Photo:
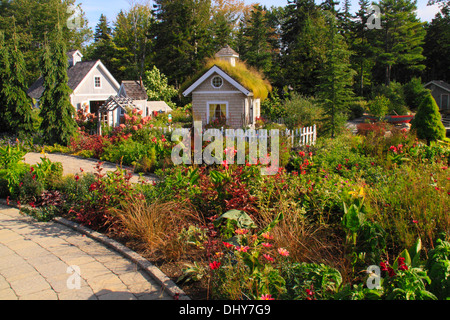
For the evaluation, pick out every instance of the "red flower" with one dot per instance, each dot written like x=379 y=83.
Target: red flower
x=77 y=178
x=266 y=297
x=92 y=187
x=228 y=245
x=214 y=265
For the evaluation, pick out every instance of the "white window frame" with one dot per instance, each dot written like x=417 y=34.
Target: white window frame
x=95 y=82
x=212 y=81
x=209 y=103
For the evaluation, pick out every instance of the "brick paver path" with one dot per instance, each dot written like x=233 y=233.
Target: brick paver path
x=72 y=164
x=37 y=259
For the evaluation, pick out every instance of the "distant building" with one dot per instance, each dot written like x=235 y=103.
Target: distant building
x=218 y=95
x=440 y=91
x=91 y=82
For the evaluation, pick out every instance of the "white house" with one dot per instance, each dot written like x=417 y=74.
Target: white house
x=91 y=82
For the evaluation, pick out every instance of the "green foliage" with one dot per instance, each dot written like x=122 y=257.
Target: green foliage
x=157 y=86
x=379 y=107
x=58 y=124
x=438 y=267
x=313 y=281
x=427 y=121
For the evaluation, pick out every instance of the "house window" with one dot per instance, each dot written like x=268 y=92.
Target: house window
x=97 y=82
x=217 y=82
x=217 y=112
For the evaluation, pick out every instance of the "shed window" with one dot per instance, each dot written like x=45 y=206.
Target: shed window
x=217 y=82
x=97 y=82
x=217 y=112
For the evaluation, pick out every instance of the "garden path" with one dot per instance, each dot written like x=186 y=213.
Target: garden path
x=42 y=260
x=72 y=164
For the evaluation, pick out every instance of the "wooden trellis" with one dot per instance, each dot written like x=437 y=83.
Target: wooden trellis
x=110 y=106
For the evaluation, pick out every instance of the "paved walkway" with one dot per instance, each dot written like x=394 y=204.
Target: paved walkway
x=41 y=260
x=72 y=164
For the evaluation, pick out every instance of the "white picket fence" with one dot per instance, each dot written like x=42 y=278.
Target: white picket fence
x=299 y=137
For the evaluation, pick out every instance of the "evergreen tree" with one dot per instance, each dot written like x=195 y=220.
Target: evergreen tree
x=437 y=46
x=256 y=40
x=336 y=78
x=182 y=38
x=303 y=31
x=133 y=41
x=4 y=78
x=361 y=43
x=17 y=103
x=427 y=122
x=102 y=30
x=401 y=40
x=58 y=124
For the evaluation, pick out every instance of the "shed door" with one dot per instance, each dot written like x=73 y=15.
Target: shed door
x=444 y=101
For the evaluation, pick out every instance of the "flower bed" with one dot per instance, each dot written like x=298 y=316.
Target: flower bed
x=308 y=232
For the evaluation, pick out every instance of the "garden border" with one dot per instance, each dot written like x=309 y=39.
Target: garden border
x=167 y=284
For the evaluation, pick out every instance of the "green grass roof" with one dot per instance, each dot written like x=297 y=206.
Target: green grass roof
x=248 y=77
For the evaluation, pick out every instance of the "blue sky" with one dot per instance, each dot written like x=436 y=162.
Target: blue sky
x=110 y=8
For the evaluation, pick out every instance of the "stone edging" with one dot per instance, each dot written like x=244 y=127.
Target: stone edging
x=168 y=285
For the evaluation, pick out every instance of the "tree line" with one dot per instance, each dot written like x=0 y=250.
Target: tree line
x=321 y=50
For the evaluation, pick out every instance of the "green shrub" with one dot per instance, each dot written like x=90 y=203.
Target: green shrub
x=427 y=121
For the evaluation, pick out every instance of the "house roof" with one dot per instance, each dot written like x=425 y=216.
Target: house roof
x=223 y=74
x=442 y=84
x=75 y=73
x=134 y=90
x=158 y=105
x=226 y=52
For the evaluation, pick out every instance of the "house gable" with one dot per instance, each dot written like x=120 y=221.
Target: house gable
x=108 y=85
x=203 y=84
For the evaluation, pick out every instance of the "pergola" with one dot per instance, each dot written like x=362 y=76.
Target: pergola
x=109 y=107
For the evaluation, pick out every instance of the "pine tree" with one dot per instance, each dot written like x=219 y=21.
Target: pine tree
x=336 y=79
x=437 y=46
x=102 y=30
x=256 y=38
x=401 y=40
x=303 y=31
x=58 y=124
x=182 y=38
x=18 y=104
x=4 y=78
x=427 y=121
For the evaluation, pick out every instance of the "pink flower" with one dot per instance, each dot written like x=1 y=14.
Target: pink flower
x=266 y=297
x=134 y=111
x=267 y=236
x=140 y=112
x=242 y=248
x=135 y=128
x=139 y=126
x=266 y=244
x=122 y=126
x=225 y=164
x=283 y=252
x=268 y=257
x=241 y=231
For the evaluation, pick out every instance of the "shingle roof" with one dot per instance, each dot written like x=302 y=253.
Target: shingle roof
x=76 y=74
x=440 y=83
x=134 y=90
x=227 y=51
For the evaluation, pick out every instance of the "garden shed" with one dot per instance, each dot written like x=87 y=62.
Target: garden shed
x=227 y=92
